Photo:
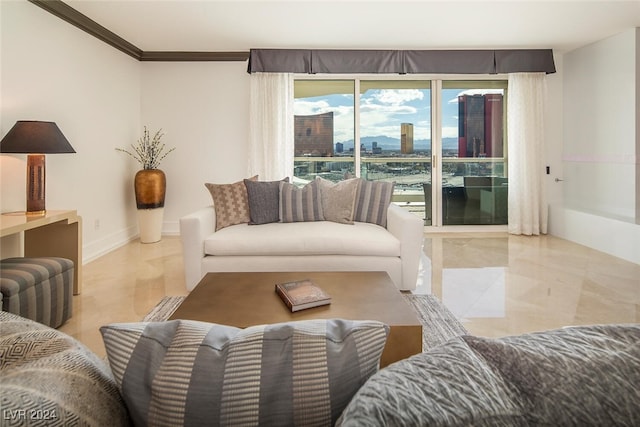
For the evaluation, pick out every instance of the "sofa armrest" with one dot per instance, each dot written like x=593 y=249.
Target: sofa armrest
x=194 y=228
x=409 y=229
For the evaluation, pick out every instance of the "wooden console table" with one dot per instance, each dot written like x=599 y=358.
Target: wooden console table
x=56 y=233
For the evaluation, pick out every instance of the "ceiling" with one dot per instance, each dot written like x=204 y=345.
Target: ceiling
x=216 y=25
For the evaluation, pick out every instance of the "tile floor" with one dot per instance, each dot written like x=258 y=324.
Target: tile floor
x=497 y=284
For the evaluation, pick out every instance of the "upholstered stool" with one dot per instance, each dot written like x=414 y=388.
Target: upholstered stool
x=39 y=289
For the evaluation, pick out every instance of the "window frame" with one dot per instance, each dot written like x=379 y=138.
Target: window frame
x=436 y=88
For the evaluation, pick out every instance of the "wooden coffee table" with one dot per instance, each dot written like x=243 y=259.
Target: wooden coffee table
x=247 y=299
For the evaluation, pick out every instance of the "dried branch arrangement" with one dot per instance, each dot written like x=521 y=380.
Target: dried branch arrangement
x=149 y=152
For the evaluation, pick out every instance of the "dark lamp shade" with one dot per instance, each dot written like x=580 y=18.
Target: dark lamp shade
x=35 y=137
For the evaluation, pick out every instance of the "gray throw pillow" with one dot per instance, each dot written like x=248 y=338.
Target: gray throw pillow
x=264 y=201
x=372 y=201
x=338 y=199
x=186 y=372
x=300 y=204
x=579 y=375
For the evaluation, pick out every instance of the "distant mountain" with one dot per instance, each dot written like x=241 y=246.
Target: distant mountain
x=387 y=143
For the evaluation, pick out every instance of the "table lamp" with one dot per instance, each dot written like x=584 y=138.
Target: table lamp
x=36 y=139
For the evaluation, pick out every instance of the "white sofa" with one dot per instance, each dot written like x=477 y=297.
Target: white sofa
x=303 y=246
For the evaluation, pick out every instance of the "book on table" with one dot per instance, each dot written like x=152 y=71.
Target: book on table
x=302 y=294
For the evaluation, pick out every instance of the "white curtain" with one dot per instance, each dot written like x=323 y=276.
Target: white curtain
x=525 y=130
x=271 y=126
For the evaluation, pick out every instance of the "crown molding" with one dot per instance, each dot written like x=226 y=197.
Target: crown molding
x=86 y=24
x=67 y=13
x=193 y=56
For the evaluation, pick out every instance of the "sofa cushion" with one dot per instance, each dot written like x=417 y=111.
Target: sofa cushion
x=185 y=372
x=303 y=238
x=49 y=378
x=264 y=201
x=582 y=376
x=300 y=204
x=230 y=202
x=372 y=201
x=338 y=199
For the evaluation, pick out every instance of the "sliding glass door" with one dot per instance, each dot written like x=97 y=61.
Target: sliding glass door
x=395 y=137
x=451 y=173
x=473 y=179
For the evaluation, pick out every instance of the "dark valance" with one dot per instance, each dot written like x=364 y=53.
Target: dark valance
x=328 y=61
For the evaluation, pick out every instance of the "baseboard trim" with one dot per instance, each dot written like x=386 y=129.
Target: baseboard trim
x=608 y=235
x=103 y=246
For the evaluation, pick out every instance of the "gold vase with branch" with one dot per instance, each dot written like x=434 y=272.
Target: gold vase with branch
x=150 y=183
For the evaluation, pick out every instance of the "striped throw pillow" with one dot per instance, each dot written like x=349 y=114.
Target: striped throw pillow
x=372 y=201
x=186 y=372
x=300 y=204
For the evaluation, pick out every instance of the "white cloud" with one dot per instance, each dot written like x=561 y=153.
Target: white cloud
x=397 y=97
x=449 y=131
x=380 y=114
x=476 y=92
x=388 y=110
x=308 y=108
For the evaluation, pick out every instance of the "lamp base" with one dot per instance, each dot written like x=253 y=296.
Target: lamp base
x=35 y=184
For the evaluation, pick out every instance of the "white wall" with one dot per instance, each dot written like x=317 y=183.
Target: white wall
x=53 y=71
x=203 y=108
x=600 y=147
x=553 y=133
x=101 y=98
x=637 y=126
x=600 y=127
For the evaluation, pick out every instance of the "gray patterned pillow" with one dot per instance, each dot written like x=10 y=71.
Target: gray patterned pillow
x=49 y=378
x=580 y=375
x=338 y=199
x=300 y=204
x=185 y=372
x=372 y=201
x=574 y=376
x=264 y=199
x=230 y=202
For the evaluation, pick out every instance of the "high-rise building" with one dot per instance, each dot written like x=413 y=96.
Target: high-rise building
x=375 y=149
x=480 y=125
x=339 y=147
x=406 y=138
x=313 y=135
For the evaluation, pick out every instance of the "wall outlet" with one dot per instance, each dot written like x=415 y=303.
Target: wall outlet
x=96 y=224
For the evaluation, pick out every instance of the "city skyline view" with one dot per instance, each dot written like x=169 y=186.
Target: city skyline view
x=383 y=110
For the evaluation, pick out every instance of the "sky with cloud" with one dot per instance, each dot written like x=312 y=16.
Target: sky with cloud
x=383 y=110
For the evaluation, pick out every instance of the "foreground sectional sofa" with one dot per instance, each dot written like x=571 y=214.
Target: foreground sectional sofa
x=274 y=226
x=161 y=373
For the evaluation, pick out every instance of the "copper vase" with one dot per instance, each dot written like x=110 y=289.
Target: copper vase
x=150 y=186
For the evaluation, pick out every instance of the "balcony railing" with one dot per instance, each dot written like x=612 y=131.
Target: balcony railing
x=473 y=190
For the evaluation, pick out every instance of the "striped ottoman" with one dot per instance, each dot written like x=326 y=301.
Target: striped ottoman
x=39 y=289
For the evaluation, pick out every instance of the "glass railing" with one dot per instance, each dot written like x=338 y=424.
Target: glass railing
x=474 y=192
x=306 y=169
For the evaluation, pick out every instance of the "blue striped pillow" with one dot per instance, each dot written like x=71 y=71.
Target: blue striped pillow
x=186 y=372
x=300 y=204
x=372 y=201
